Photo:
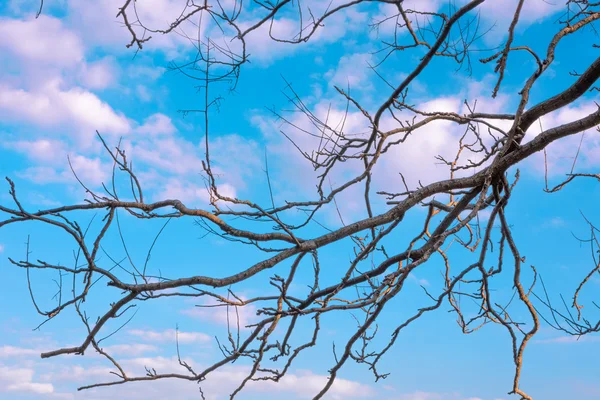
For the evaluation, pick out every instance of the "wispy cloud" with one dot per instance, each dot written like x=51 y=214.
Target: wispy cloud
x=570 y=339
x=224 y=315
x=12 y=351
x=134 y=349
x=170 y=335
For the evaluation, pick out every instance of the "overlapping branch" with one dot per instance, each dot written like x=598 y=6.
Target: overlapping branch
x=481 y=176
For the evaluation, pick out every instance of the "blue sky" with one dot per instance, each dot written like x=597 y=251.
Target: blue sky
x=67 y=74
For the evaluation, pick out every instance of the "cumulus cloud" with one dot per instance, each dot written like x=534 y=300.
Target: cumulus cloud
x=263 y=50
x=387 y=26
x=260 y=45
x=170 y=154
x=61 y=101
x=189 y=193
x=12 y=351
x=89 y=170
x=50 y=85
x=40 y=150
x=560 y=156
x=496 y=15
x=220 y=383
x=52 y=105
x=157 y=124
x=306 y=384
x=99 y=74
x=74 y=373
x=156 y=14
x=533 y=11
x=420 y=149
x=36 y=40
x=20 y=380
x=190 y=189
x=225 y=316
x=352 y=70
x=237 y=160
x=173 y=165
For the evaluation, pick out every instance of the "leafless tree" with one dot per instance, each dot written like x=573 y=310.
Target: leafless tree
x=481 y=176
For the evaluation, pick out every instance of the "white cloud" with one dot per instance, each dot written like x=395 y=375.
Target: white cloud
x=41 y=199
x=129 y=350
x=352 y=70
x=220 y=383
x=286 y=161
x=422 y=395
x=224 y=315
x=236 y=160
x=533 y=10
x=261 y=47
x=21 y=380
x=499 y=14
x=555 y=222
x=156 y=14
x=147 y=73
x=99 y=74
x=157 y=124
x=419 y=395
x=189 y=193
x=420 y=148
x=90 y=171
x=387 y=25
x=57 y=379
x=43 y=175
x=495 y=14
x=169 y=335
x=1 y=248
x=263 y=50
x=44 y=40
x=419 y=281
x=88 y=20
x=161 y=364
x=143 y=93
x=50 y=60
x=74 y=373
x=170 y=154
x=560 y=155
x=40 y=150
x=570 y=339
x=51 y=105
x=89 y=110
x=12 y=351
x=306 y=384
x=173 y=166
